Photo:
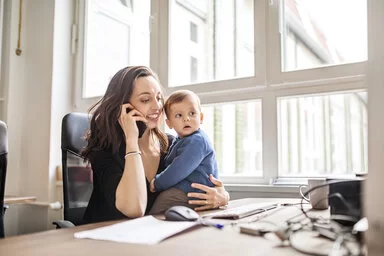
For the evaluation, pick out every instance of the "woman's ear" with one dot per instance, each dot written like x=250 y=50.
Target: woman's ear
x=201 y=117
x=168 y=123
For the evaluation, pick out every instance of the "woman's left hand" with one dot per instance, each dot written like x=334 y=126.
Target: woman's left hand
x=212 y=198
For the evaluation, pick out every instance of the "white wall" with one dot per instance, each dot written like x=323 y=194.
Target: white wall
x=12 y=65
x=39 y=86
x=374 y=188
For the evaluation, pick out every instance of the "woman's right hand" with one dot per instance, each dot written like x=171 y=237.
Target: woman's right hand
x=128 y=121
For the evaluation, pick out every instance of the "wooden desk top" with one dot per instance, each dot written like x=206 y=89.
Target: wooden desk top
x=198 y=241
x=18 y=199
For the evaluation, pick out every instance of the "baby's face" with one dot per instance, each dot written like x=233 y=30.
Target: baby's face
x=185 y=117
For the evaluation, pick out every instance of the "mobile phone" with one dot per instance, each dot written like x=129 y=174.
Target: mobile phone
x=140 y=125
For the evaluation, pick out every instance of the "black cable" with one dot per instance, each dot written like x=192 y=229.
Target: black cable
x=302 y=209
x=308 y=251
x=348 y=205
x=320 y=186
x=350 y=208
x=291 y=204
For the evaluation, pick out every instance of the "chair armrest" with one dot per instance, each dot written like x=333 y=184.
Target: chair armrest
x=63 y=224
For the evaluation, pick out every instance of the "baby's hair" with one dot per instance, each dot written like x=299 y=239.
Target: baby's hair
x=179 y=96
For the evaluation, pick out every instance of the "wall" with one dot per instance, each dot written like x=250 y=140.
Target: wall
x=38 y=94
x=374 y=188
x=10 y=69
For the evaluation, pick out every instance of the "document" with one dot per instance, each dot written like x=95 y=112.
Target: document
x=145 y=230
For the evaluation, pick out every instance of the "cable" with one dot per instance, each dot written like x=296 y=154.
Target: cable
x=291 y=204
x=297 y=243
x=351 y=209
x=324 y=185
x=342 y=235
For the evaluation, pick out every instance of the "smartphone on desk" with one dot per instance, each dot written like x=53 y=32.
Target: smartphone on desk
x=140 y=125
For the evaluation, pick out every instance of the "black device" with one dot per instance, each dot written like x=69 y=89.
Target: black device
x=140 y=125
x=346 y=198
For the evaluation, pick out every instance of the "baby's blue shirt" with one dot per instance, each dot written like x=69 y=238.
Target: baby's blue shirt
x=190 y=160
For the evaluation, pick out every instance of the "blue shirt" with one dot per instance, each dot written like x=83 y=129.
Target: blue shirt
x=190 y=160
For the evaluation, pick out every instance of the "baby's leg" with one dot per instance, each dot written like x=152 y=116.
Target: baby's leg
x=168 y=198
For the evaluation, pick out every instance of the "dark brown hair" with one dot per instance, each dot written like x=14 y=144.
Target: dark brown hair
x=179 y=96
x=105 y=132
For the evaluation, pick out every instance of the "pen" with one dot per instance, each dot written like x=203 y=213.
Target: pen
x=212 y=224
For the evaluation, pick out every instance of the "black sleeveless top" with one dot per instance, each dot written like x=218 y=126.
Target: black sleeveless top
x=107 y=171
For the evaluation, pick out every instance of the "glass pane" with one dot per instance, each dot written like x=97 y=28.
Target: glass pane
x=117 y=35
x=323 y=32
x=323 y=135
x=216 y=34
x=235 y=131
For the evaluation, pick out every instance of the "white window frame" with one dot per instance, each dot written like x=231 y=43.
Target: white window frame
x=267 y=84
x=79 y=33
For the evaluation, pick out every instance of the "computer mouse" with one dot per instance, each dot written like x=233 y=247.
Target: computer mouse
x=181 y=213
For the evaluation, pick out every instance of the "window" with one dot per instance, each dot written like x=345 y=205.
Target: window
x=323 y=135
x=193 y=32
x=235 y=131
x=223 y=44
x=323 y=32
x=117 y=35
x=282 y=92
x=193 y=69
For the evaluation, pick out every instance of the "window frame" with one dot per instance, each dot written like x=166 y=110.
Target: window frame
x=267 y=84
x=79 y=34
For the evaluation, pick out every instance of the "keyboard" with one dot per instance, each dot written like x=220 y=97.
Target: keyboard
x=242 y=211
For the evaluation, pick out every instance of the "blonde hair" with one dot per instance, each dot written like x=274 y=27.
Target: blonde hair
x=179 y=96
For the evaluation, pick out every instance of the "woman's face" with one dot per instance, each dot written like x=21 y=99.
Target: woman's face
x=147 y=98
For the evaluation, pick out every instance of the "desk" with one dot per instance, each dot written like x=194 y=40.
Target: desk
x=18 y=199
x=200 y=241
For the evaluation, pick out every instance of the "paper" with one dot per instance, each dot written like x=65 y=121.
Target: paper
x=145 y=230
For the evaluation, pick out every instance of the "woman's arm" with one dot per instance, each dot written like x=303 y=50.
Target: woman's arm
x=131 y=192
x=212 y=198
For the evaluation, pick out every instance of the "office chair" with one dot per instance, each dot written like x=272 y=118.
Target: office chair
x=3 y=172
x=77 y=178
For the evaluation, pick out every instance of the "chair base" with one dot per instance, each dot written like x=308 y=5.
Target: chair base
x=63 y=224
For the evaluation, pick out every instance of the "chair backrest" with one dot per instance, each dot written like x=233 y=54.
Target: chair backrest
x=3 y=171
x=77 y=177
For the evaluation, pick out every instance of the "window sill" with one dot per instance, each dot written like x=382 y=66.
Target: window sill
x=262 y=188
x=237 y=191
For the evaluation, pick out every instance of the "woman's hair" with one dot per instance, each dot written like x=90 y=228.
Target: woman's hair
x=177 y=97
x=105 y=132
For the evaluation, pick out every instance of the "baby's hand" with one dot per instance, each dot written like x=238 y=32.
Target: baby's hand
x=152 y=186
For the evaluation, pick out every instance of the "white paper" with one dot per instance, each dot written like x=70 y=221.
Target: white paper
x=145 y=230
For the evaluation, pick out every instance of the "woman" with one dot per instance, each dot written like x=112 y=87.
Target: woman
x=122 y=163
